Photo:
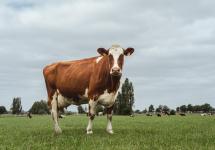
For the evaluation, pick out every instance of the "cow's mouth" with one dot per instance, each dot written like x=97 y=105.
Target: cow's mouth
x=116 y=74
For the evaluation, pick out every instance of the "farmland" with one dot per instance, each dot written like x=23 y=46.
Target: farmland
x=131 y=133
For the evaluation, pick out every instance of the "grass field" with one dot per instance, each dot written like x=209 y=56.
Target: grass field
x=140 y=132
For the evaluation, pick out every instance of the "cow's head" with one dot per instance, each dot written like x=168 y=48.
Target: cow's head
x=116 y=58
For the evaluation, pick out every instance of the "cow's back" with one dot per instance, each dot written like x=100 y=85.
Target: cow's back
x=73 y=79
x=70 y=78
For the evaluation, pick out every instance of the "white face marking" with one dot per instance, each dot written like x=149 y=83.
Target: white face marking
x=107 y=99
x=115 y=52
x=98 y=59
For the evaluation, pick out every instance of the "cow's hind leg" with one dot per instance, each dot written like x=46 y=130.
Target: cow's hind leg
x=54 y=112
x=109 y=119
x=92 y=107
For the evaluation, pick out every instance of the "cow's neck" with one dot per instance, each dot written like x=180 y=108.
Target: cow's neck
x=115 y=82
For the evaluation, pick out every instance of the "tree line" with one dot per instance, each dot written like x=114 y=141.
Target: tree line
x=204 y=108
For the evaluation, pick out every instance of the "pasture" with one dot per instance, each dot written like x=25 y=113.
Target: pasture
x=131 y=133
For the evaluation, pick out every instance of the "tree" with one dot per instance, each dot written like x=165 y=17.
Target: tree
x=151 y=108
x=183 y=108
x=196 y=108
x=206 y=107
x=165 y=109
x=177 y=109
x=16 y=107
x=125 y=99
x=159 y=109
x=144 y=111
x=39 y=107
x=80 y=110
x=3 y=110
x=137 y=111
x=189 y=107
x=172 y=112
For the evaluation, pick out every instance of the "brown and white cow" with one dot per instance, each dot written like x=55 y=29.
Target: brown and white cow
x=93 y=80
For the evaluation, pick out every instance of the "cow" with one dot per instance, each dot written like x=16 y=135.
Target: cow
x=100 y=113
x=90 y=81
x=182 y=114
x=29 y=115
x=159 y=115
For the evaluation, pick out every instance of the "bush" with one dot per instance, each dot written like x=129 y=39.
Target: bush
x=39 y=107
x=3 y=110
x=172 y=112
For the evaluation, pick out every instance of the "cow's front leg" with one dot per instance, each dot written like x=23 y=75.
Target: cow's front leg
x=92 y=112
x=54 y=113
x=109 y=119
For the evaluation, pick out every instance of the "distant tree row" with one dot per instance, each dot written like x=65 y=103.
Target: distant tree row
x=160 y=109
x=195 y=108
x=183 y=108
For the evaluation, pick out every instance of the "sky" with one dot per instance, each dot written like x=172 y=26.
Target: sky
x=174 y=42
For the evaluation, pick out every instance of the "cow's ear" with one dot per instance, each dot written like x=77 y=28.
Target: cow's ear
x=128 y=51
x=102 y=51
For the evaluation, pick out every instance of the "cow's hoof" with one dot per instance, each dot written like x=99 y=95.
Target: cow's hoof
x=58 y=131
x=110 y=131
x=90 y=132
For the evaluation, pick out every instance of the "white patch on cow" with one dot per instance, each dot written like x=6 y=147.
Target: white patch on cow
x=63 y=101
x=107 y=99
x=92 y=111
x=93 y=104
x=98 y=59
x=115 y=51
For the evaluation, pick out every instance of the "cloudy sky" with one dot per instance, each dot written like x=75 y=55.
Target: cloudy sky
x=174 y=41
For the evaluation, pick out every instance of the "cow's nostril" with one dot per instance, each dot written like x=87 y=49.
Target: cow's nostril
x=116 y=70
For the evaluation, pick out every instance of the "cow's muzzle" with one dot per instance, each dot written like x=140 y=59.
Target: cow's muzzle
x=116 y=71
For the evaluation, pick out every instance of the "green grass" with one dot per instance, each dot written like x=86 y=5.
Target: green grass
x=140 y=132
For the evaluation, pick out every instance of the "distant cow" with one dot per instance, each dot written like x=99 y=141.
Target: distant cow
x=206 y=114
x=29 y=115
x=182 y=114
x=166 y=113
x=100 y=113
x=93 y=80
x=159 y=115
